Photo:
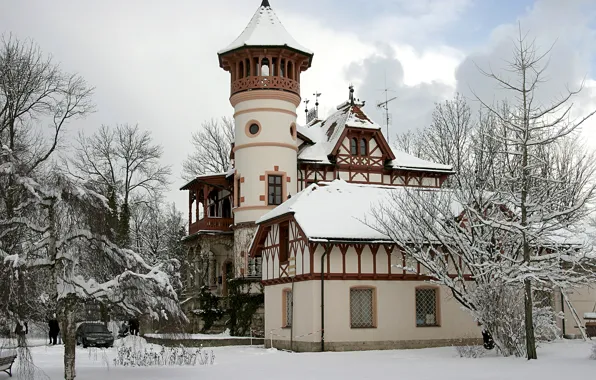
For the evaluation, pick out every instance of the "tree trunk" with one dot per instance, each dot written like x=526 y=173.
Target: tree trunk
x=530 y=338
x=69 y=338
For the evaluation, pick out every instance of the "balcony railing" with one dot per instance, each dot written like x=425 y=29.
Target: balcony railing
x=211 y=224
x=265 y=83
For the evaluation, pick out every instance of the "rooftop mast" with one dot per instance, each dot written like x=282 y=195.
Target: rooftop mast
x=385 y=106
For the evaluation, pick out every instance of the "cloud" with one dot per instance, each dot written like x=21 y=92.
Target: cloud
x=562 y=30
x=155 y=62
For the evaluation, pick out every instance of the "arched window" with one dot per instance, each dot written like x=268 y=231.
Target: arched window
x=265 y=71
x=282 y=68
x=363 y=147
x=247 y=68
x=354 y=147
x=241 y=69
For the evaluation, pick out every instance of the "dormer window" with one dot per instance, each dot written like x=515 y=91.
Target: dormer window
x=363 y=147
x=354 y=147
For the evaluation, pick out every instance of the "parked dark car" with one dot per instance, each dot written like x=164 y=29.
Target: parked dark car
x=94 y=334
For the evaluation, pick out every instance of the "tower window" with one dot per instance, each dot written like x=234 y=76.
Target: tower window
x=291 y=70
x=265 y=67
x=274 y=189
x=354 y=146
x=293 y=131
x=363 y=147
x=253 y=128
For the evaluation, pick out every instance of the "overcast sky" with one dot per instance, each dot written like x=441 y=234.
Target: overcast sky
x=155 y=63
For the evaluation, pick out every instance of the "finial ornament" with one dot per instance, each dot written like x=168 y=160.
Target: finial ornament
x=266 y=4
x=351 y=94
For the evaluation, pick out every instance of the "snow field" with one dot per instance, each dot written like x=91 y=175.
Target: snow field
x=559 y=360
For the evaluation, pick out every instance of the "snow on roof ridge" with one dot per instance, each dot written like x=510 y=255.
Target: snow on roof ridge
x=406 y=160
x=265 y=29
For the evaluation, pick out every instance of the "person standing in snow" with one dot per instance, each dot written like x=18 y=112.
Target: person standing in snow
x=20 y=331
x=54 y=330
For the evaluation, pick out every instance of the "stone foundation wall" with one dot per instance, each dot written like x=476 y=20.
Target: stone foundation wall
x=369 y=345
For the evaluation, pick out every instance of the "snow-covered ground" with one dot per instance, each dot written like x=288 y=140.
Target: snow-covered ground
x=561 y=360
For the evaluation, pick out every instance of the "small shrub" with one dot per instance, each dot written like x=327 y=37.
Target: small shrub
x=209 y=310
x=472 y=352
x=178 y=356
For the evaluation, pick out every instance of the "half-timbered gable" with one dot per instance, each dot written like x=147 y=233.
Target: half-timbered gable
x=348 y=145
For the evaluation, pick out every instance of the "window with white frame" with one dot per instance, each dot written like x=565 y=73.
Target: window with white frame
x=288 y=300
x=362 y=307
x=426 y=307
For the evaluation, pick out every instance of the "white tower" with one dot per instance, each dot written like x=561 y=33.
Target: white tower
x=265 y=63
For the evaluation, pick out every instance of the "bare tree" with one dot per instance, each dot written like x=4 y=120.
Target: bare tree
x=53 y=253
x=516 y=210
x=528 y=129
x=157 y=229
x=79 y=263
x=411 y=142
x=212 y=147
x=121 y=162
x=447 y=139
x=37 y=101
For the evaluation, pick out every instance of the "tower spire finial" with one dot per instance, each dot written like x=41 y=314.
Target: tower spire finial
x=266 y=4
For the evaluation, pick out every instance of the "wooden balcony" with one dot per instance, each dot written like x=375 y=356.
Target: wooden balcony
x=265 y=83
x=211 y=224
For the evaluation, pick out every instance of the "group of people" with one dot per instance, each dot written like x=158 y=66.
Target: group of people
x=22 y=328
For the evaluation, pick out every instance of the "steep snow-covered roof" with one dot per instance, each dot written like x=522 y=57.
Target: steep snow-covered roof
x=322 y=211
x=265 y=29
x=406 y=161
x=326 y=133
x=337 y=210
x=341 y=211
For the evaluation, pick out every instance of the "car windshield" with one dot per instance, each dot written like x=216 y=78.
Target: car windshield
x=96 y=329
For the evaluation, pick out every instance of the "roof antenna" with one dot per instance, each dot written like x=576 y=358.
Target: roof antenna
x=385 y=106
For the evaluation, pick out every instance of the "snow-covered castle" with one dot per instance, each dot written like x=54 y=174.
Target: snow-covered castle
x=291 y=207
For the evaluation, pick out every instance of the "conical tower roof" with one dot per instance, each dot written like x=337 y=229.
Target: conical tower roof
x=265 y=30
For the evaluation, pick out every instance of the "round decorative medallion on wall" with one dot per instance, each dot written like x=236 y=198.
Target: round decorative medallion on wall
x=253 y=128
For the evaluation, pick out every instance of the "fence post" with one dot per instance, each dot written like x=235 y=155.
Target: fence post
x=271 y=338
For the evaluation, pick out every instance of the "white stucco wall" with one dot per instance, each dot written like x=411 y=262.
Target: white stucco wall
x=395 y=313
x=583 y=300
x=252 y=162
